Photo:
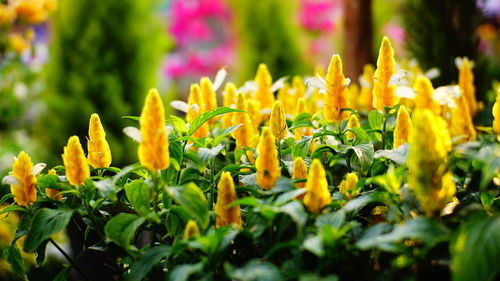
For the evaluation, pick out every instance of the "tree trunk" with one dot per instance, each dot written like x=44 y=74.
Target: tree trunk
x=358 y=38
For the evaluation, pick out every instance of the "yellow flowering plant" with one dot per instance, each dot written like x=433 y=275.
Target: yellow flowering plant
x=285 y=181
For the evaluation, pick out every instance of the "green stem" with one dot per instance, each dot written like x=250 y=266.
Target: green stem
x=212 y=184
x=180 y=163
x=70 y=259
x=384 y=128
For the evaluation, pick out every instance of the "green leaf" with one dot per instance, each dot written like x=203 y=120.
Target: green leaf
x=317 y=277
x=426 y=230
x=398 y=155
x=254 y=270
x=375 y=119
x=475 y=250
x=192 y=199
x=245 y=201
x=13 y=208
x=137 y=192
x=14 y=258
x=177 y=123
x=287 y=196
x=314 y=244
x=47 y=181
x=204 y=117
x=302 y=120
x=63 y=274
x=207 y=154
x=359 y=202
x=106 y=188
x=46 y=222
x=184 y=271
x=296 y=211
x=364 y=153
x=6 y=197
x=221 y=134
x=136 y=118
x=335 y=220
x=122 y=227
x=301 y=147
x=141 y=267
x=361 y=135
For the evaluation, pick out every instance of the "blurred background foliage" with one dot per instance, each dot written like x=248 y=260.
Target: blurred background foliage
x=62 y=60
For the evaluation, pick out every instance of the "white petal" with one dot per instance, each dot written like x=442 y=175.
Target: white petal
x=446 y=95
x=397 y=78
x=280 y=83
x=309 y=92
x=133 y=133
x=169 y=129
x=196 y=108
x=219 y=78
x=363 y=83
x=248 y=86
x=265 y=111
x=289 y=116
x=316 y=82
x=459 y=62
x=405 y=92
x=179 y=105
x=432 y=73
x=38 y=168
x=12 y=180
x=330 y=140
x=347 y=82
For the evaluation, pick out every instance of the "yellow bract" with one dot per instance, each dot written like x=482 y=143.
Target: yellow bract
x=243 y=135
x=429 y=146
x=466 y=84
x=209 y=97
x=384 y=94
x=267 y=164
x=191 y=230
x=195 y=108
x=153 y=148
x=51 y=192
x=317 y=194
x=77 y=168
x=99 y=154
x=353 y=123
x=496 y=115
x=264 y=82
x=337 y=97
x=229 y=101
x=424 y=98
x=299 y=171
x=227 y=194
x=25 y=191
x=278 y=121
x=366 y=82
x=403 y=127
x=347 y=186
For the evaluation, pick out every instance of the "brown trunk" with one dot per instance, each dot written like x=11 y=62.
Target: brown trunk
x=358 y=36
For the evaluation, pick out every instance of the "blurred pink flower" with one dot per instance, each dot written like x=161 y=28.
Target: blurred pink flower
x=395 y=32
x=319 y=15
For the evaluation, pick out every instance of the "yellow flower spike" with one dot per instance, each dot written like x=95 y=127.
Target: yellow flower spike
x=285 y=96
x=99 y=154
x=153 y=149
x=191 y=230
x=347 y=186
x=496 y=115
x=243 y=135
x=424 y=97
x=461 y=121
x=77 y=168
x=264 y=82
x=18 y=43
x=354 y=97
x=7 y=16
x=353 y=123
x=384 y=94
x=278 y=121
x=254 y=111
x=25 y=190
x=267 y=164
x=299 y=172
x=429 y=146
x=337 y=97
x=317 y=194
x=366 y=82
x=226 y=194
x=51 y=192
x=466 y=84
x=195 y=108
x=209 y=96
x=300 y=88
x=229 y=101
x=403 y=127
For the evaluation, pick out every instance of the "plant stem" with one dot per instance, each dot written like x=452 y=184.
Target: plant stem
x=212 y=183
x=384 y=128
x=70 y=259
x=180 y=163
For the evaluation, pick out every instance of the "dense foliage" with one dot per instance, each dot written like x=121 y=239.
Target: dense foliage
x=280 y=187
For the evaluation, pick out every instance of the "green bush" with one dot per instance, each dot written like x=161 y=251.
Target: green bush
x=105 y=56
